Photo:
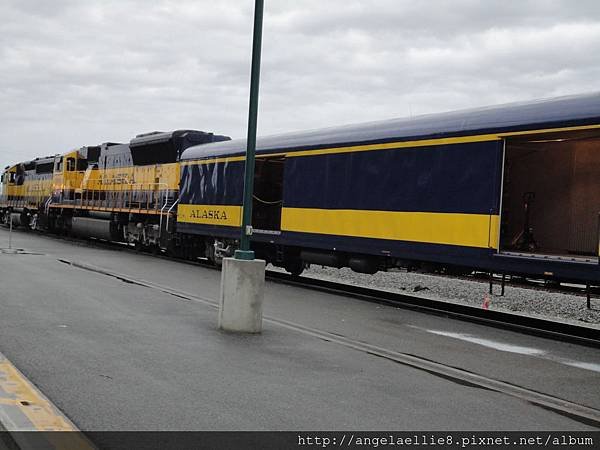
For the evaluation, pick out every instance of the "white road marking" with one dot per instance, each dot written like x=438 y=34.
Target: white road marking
x=521 y=350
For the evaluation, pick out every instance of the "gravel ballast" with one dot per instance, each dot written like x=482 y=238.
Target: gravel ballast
x=525 y=300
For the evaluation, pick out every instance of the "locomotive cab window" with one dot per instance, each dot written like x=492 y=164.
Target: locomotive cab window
x=82 y=165
x=70 y=164
x=154 y=153
x=551 y=195
x=42 y=168
x=93 y=154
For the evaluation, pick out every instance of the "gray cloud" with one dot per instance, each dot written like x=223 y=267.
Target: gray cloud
x=82 y=72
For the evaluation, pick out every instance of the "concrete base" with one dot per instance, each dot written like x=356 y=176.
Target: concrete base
x=242 y=293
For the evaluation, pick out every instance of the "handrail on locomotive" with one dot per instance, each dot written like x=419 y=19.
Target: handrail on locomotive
x=124 y=198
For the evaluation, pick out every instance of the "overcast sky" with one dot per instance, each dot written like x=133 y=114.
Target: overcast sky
x=82 y=72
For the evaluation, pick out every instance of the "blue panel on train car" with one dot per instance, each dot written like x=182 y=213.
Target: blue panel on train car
x=450 y=178
x=212 y=184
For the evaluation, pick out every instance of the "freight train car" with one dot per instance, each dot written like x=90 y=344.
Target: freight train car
x=511 y=189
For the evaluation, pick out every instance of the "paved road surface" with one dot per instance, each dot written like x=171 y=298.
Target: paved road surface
x=119 y=356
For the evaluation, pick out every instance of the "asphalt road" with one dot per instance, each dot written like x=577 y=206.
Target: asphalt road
x=118 y=356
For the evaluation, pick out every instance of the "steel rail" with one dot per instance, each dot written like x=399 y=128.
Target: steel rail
x=525 y=324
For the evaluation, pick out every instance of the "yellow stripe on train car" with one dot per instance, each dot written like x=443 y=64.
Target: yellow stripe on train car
x=228 y=215
x=469 y=230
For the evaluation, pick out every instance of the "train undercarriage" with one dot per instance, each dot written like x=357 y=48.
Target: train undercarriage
x=157 y=234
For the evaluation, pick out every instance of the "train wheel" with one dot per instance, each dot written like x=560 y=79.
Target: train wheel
x=33 y=223
x=295 y=267
x=173 y=250
x=211 y=254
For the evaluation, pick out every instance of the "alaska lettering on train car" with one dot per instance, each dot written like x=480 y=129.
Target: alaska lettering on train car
x=213 y=214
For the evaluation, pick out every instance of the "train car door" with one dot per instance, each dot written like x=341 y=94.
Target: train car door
x=3 y=182
x=551 y=195
x=268 y=193
x=10 y=181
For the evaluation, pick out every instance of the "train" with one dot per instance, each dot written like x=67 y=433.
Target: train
x=509 y=189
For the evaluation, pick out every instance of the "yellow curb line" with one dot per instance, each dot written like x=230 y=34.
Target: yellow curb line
x=36 y=407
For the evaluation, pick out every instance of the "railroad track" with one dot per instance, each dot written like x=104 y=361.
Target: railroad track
x=476 y=277
x=526 y=324
x=517 y=322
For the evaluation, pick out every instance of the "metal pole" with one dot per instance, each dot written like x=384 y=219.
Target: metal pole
x=588 y=296
x=10 y=232
x=244 y=252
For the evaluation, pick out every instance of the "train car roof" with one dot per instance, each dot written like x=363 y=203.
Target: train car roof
x=38 y=160
x=44 y=159
x=576 y=110
x=156 y=137
x=113 y=148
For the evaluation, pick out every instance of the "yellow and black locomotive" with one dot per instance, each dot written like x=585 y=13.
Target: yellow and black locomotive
x=118 y=192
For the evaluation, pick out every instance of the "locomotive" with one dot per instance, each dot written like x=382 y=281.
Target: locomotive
x=510 y=189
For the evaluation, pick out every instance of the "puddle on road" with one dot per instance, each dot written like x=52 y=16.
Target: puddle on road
x=521 y=350
x=583 y=365
x=489 y=343
x=17 y=251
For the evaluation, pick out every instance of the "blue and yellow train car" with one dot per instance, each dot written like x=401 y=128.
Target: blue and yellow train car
x=512 y=189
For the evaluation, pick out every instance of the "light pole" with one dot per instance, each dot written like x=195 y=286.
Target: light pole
x=244 y=251
x=243 y=277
